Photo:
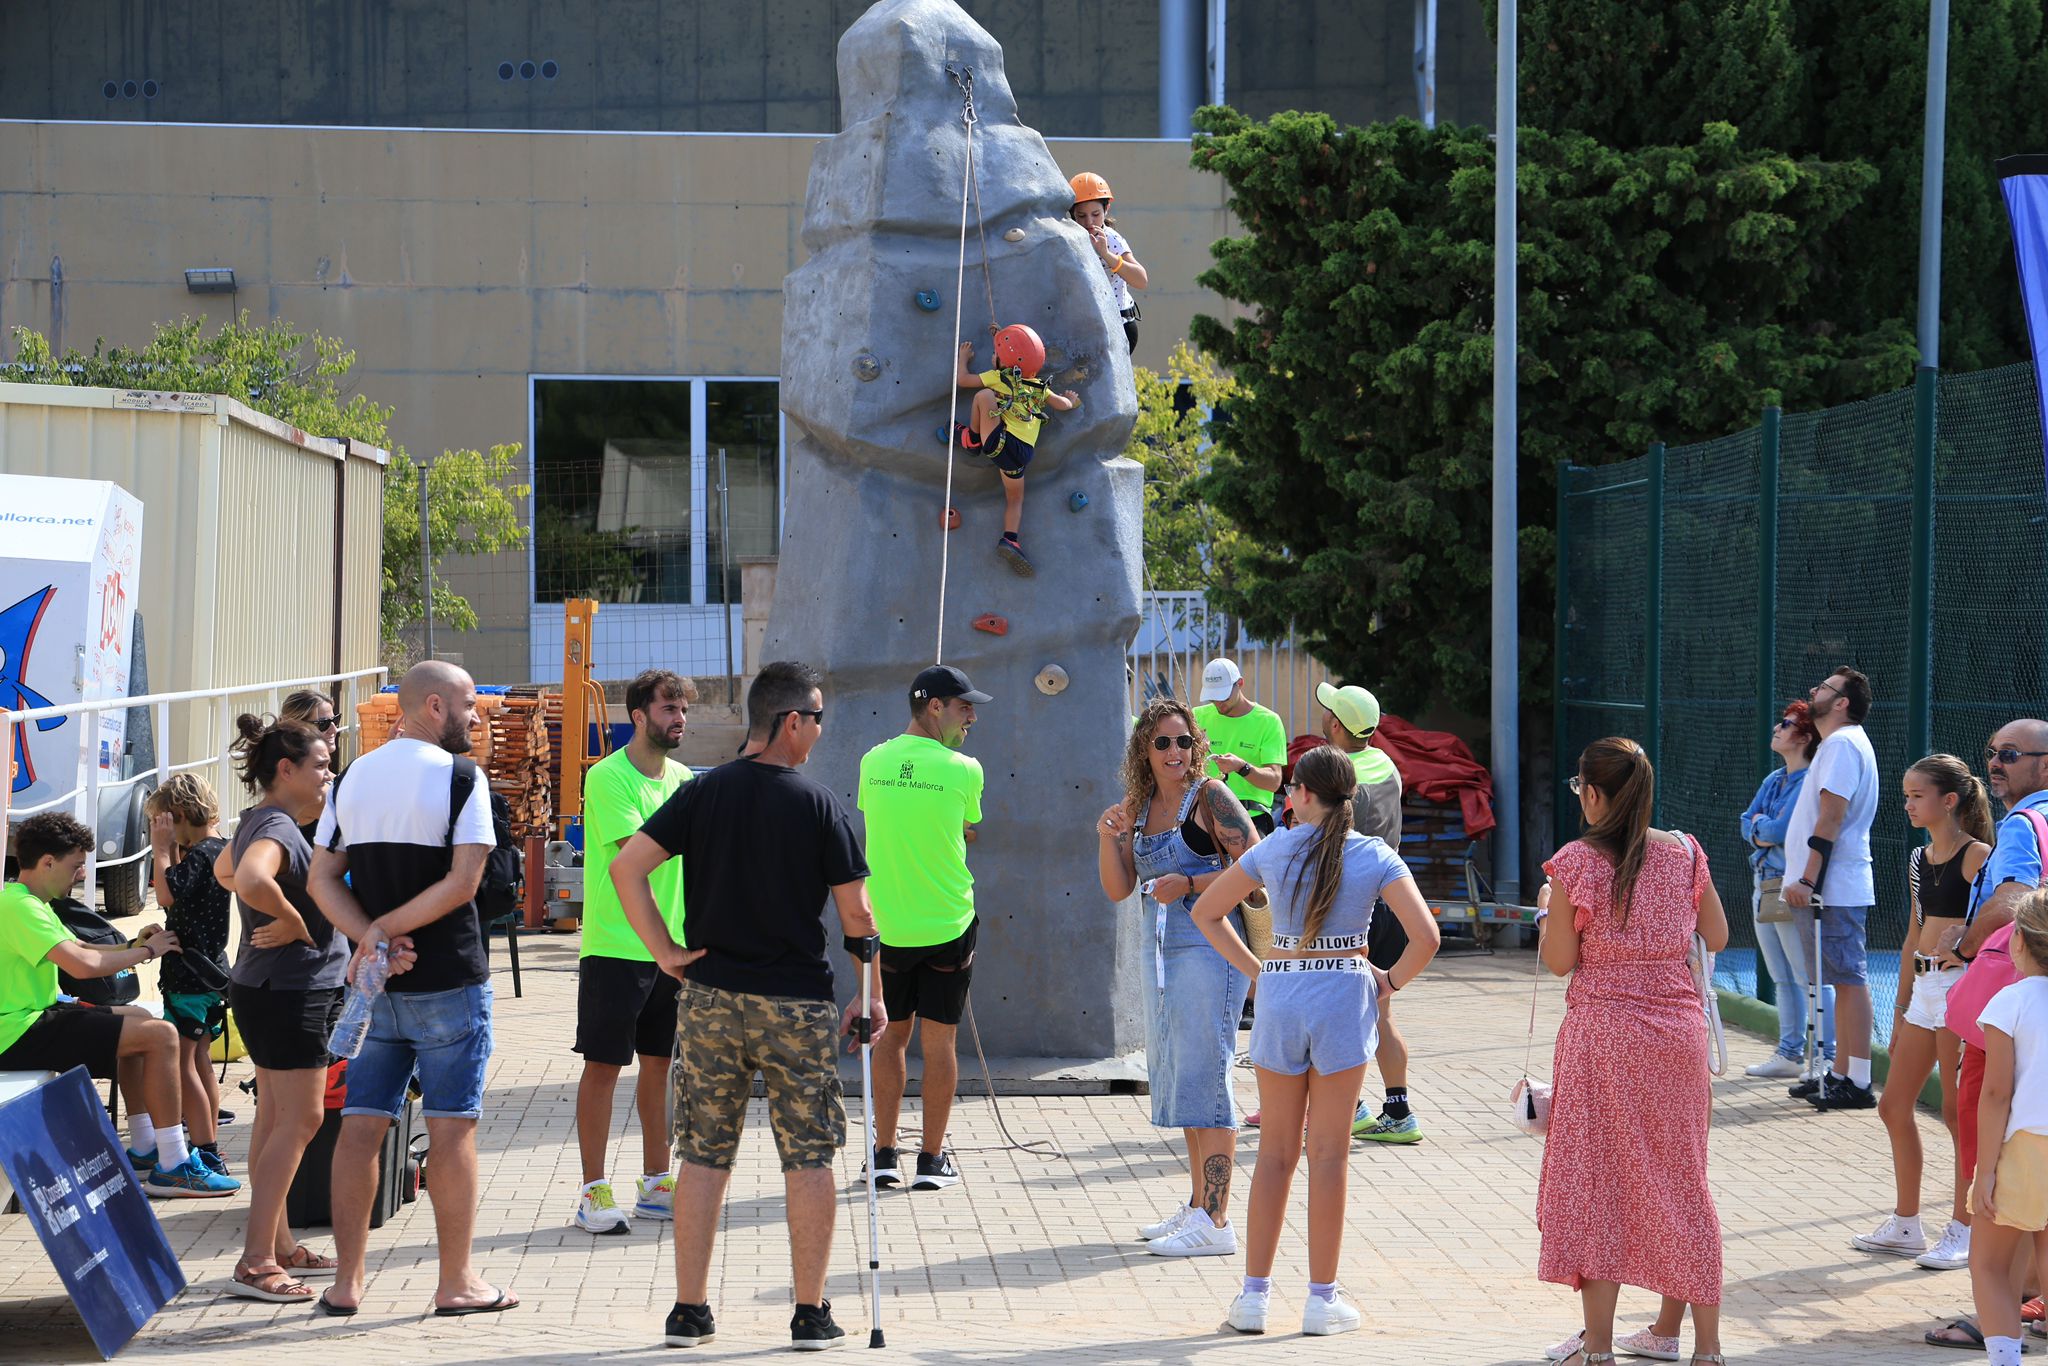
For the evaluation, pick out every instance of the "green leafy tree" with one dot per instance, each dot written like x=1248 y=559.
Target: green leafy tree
x=1189 y=544
x=298 y=378
x=1663 y=289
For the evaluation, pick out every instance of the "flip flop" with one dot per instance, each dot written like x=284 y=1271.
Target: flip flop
x=2033 y=1310
x=1964 y=1326
x=323 y=1305
x=497 y=1306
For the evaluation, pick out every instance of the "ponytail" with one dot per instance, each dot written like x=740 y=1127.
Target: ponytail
x=1952 y=778
x=1620 y=769
x=1332 y=777
x=263 y=743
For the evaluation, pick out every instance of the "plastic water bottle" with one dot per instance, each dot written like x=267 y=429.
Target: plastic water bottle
x=354 y=1025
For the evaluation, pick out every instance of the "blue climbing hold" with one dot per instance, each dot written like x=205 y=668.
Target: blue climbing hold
x=1077 y=500
x=928 y=300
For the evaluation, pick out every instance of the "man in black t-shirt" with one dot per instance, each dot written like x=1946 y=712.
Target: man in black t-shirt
x=762 y=848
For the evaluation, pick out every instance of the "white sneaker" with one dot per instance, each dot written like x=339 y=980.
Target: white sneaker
x=1952 y=1253
x=655 y=1199
x=1647 y=1344
x=1775 y=1066
x=1196 y=1237
x=1248 y=1311
x=1321 y=1317
x=1567 y=1349
x=1895 y=1237
x=597 y=1212
x=1170 y=1224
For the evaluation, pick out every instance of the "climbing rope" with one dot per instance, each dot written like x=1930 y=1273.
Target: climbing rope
x=964 y=78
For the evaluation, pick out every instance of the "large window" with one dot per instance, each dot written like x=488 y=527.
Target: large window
x=627 y=488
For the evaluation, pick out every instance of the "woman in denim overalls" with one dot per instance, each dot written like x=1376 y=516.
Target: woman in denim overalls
x=1176 y=830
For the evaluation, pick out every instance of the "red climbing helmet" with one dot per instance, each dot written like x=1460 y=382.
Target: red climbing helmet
x=1018 y=347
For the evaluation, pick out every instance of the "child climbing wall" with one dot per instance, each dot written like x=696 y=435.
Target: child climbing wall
x=1004 y=424
x=1092 y=201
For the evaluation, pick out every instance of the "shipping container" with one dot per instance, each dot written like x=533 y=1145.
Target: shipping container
x=262 y=557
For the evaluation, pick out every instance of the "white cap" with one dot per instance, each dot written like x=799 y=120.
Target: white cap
x=1219 y=676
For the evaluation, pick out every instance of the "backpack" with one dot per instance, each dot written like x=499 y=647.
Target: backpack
x=90 y=927
x=497 y=896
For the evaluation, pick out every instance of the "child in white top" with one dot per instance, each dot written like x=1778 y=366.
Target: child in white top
x=2012 y=1155
x=1091 y=210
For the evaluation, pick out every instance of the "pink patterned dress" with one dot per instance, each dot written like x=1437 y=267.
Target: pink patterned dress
x=1624 y=1190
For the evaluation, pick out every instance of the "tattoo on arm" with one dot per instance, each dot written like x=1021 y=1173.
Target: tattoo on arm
x=1228 y=822
x=1215 y=1186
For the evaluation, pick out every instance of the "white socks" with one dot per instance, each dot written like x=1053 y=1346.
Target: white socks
x=141 y=1131
x=2002 y=1351
x=1909 y=1225
x=171 y=1151
x=1326 y=1293
x=1201 y=1214
x=1859 y=1072
x=1258 y=1285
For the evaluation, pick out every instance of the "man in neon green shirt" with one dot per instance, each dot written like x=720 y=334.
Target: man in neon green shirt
x=1350 y=716
x=921 y=797
x=41 y=1033
x=625 y=1005
x=1247 y=742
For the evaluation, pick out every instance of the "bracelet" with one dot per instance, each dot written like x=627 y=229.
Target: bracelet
x=1116 y=265
x=149 y=949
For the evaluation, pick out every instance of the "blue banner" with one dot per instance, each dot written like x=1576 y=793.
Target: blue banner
x=2024 y=180
x=84 y=1202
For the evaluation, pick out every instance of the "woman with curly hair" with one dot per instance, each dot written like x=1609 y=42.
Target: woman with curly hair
x=1171 y=837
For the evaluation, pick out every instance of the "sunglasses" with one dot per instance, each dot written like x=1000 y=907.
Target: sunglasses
x=1785 y=723
x=818 y=716
x=1576 y=784
x=1162 y=743
x=2012 y=755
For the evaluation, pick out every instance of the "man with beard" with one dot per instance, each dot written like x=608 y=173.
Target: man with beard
x=922 y=797
x=625 y=1005
x=399 y=854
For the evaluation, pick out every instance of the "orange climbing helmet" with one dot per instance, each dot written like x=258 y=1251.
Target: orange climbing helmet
x=1088 y=185
x=1018 y=348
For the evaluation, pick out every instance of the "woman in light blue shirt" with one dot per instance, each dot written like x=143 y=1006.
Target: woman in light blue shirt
x=1786 y=950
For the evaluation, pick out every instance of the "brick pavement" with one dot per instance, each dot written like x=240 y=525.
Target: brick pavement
x=1033 y=1259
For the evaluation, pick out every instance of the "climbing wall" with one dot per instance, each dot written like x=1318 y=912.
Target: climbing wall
x=867 y=370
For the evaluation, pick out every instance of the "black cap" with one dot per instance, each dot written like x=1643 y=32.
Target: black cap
x=942 y=681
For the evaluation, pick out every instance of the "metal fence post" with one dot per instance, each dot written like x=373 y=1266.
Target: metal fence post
x=1920 y=591
x=1558 y=649
x=1653 y=620
x=1767 y=712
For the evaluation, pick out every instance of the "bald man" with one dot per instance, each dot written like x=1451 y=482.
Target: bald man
x=408 y=827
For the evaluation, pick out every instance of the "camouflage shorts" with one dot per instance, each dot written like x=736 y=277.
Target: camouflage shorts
x=722 y=1039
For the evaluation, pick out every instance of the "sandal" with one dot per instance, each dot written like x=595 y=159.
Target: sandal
x=304 y=1262
x=2034 y=1311
x=272 y=1284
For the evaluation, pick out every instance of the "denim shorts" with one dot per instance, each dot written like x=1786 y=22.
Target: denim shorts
x=1191 y=1039
x=1320 y=1013
x=1844 y=950
x=442 y=1036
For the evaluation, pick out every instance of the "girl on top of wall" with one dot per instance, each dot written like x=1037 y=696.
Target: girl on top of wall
x=1091 y=210
x=1005 y=421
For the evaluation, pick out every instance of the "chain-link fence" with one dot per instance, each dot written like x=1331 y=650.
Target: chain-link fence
x=1702 y=587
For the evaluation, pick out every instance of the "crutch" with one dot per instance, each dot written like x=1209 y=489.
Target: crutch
x=1813 y=990
x=865 y=1033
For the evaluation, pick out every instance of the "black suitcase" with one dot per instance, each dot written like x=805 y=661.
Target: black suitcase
x=398 y=1175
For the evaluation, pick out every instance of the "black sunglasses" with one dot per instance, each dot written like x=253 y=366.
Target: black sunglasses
x=2012 y=755
x=1784 y=723
x=818 y=716
x=325 y=723
x=1162 y=743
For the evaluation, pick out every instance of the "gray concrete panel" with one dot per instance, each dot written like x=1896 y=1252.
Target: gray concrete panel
x=1058 y=972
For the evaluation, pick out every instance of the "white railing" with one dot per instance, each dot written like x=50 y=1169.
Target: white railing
x=1178 y=633
x=222 y=707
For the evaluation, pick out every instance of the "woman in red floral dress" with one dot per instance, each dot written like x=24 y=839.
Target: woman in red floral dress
x=1624 y=1198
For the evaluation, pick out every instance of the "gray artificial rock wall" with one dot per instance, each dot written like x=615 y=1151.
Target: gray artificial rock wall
x=866 y=378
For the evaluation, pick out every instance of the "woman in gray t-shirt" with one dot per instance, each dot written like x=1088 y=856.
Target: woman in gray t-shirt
x=285 y=989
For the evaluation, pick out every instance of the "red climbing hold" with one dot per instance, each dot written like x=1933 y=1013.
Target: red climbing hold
x=952 y=519
x=993 y=624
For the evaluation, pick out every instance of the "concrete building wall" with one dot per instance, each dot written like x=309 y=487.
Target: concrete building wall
x=1080 y=68
x=457 y=264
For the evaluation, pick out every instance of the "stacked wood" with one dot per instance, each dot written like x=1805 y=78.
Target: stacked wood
x=522 y=760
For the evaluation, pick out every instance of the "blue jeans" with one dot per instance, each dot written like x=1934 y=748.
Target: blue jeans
x=1786 y=947
x=443 y=1036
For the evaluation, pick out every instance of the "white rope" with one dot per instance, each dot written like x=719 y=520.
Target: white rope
x=953 y=403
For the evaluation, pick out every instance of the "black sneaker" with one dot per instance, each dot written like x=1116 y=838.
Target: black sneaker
x=812 y=1329
x=1839 y=1093
x=689 y=1325
x=1805 y=1089
x=935 y=1173
x=888 y=1169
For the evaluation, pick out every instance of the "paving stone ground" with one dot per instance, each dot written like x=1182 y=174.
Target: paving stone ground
x=1033 y=1258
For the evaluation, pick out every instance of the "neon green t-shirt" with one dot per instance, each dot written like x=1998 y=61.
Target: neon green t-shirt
x=29 y=929
x=1258 y=737
x=919 y=797
x=617 y=800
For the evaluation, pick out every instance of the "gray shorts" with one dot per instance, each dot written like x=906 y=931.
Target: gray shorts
x=1318 y=1014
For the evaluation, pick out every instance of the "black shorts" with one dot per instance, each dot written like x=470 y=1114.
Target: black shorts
x=1385 y=939
x=931 y=980
x=285 y=1029
x=624 y=1007
x=1130 y=317
x=65 y=1036
x=1011 y=453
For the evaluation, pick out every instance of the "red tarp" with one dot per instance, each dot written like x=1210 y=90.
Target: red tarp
x=1435 y=765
